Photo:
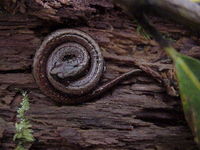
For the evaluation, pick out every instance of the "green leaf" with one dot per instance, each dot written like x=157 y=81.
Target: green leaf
x=196 y=1
x=188 y=75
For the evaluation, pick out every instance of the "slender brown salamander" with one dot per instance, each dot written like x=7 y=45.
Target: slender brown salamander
x=68 y=66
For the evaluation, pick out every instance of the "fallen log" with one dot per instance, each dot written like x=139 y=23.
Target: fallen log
x=137 y=114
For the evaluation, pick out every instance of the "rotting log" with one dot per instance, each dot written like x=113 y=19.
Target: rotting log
x=142 y=112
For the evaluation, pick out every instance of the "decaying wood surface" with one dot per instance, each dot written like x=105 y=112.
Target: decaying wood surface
x=143 y=112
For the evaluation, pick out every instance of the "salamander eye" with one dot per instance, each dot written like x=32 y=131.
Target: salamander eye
x=68 y=57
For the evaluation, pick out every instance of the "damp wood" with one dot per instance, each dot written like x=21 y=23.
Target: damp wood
x=142 y=112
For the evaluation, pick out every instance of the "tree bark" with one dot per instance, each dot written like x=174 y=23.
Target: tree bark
x=140 y=113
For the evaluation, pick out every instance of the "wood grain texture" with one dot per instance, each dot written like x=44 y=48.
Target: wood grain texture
x=137 y=114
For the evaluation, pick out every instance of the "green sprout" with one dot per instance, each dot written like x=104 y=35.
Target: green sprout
x=140 y=30
x=23 y=135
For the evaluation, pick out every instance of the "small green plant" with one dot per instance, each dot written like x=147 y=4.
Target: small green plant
x=23 y=135
x=168 y=37
x=140 y=30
